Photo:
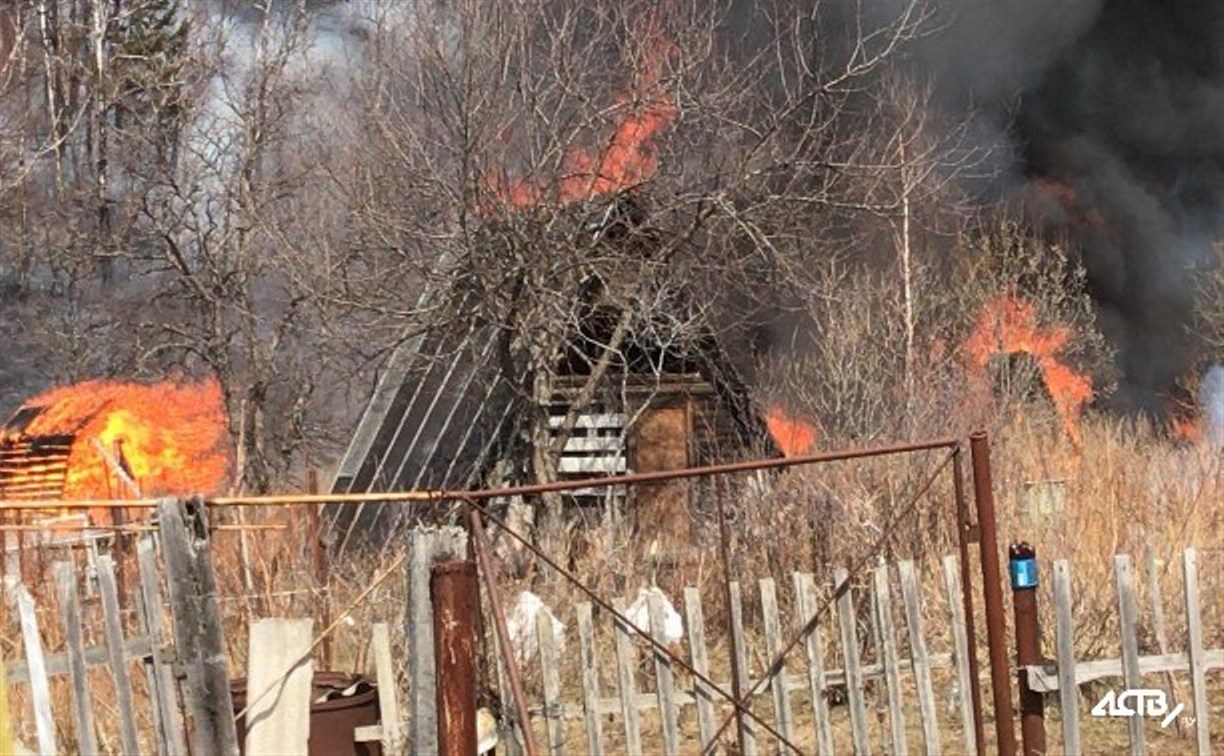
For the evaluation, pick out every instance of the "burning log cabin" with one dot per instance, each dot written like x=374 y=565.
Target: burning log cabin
x=112 y=440
x=452 y=411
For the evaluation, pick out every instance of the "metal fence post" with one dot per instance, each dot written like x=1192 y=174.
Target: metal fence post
x=1022 y=567
x=992 y=589
x=455 y=596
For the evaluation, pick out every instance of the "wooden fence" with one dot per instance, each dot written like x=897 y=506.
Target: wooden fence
x=870 y=660
x=1065 y=677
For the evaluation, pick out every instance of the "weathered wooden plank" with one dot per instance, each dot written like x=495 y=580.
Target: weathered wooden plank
x=390 y=734
x=590 y=679
x=551 y=676
x=1064 y=627
x=739 y=647
x=1195 y=655
x=40 y=686
x=919 y=657
x=511 y=743
x=664 y=679
x=134 y=649
x=1044 y=677
x=605 y=421
x=1128 y=619
x=850 y=656
x=783 y=716
x=113 y=622
x=960 y=650
x=813 y=646
x=168 y=716
x=279 y=685
x=626 y=673
x=1174 y=691
x=198 y=633
x=700 y=660
x=70 y=613
x=891 y=659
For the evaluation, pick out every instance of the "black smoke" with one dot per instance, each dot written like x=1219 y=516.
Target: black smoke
x=1114 y=115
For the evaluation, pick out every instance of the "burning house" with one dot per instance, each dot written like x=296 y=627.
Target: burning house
x=112 y=440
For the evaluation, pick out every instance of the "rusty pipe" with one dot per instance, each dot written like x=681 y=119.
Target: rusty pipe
x=966 y=533
x=392 y=497
x=454 y=593
x=992 y=589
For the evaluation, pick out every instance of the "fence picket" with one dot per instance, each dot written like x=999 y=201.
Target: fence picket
x=626 y=671
x=1195 y=654
x=701 y=662
x=846 y=621
x=890 y=659
x=739 y=647
x=40 y=686
x=773 y=644
x=170 y=731
x=70 y=613
x=590 y=679
x=813 y=646
x=664 y=679
x=388 y=696
x=113 y=622
x=551 y=675
x=1128 y=617
x=1068 y=692
x=919 y=658
x=960 y=637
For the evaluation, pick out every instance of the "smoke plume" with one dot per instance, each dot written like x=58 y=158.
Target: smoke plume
x=1115 y=112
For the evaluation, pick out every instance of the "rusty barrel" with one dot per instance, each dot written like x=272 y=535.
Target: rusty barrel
x=340 y=703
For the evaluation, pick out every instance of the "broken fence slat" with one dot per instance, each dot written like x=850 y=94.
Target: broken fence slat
x=279 y=686
x=1195 y=654
x=888 y=654
x=70 y=613
x=626 y=671
x=664 y=681
x=1064 y=625
x=846 y=621
x=919 y=657
x=172 y=735
x=960 y=639
x=590 y=679
x=773 y=644
x=813 y=645
x=113 y=621
x=1128 y=617
x=40 y=686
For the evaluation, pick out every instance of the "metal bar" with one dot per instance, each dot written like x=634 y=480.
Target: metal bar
x=1022 y=565
x=966 y=534
x=454 y=593
x=992 y=588
x=509 y=662
x=489 y=493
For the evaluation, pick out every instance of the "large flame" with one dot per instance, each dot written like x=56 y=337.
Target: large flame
x=1009 y=325
x=169 y=436
x=794 y=437
x=627 y=157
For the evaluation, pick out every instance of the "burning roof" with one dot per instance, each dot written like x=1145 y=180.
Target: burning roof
x=82 y=441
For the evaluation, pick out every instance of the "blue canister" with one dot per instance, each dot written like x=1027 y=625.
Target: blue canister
x=1022 y=566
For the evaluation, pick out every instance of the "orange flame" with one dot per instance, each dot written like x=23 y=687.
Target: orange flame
x=171 y=436
x=1008 y=325
x=1187 y=429
x=794 y=437
x=628 y=158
